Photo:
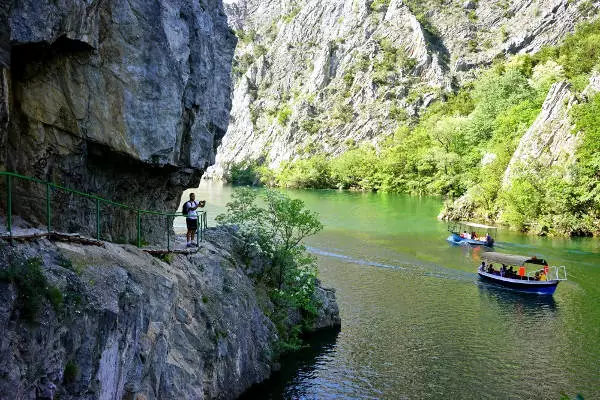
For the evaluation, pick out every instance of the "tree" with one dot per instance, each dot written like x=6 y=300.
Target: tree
x=288 y=223
x=278 y=228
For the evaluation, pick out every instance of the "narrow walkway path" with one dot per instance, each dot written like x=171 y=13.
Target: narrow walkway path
x=13 y=232
x=31 y=234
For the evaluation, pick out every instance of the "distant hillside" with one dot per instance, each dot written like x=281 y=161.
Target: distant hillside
x=448 y=99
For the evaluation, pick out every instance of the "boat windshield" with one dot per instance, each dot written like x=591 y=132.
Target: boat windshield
x=475 y=225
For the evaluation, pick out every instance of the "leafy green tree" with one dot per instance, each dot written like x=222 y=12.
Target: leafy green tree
x=356 y=168
x=492 y=95
x=278 y=228
x=587 y=121
x=313 y=172
x=243 y=212
x=523 y=201
x=288 y=223
x=544 y=75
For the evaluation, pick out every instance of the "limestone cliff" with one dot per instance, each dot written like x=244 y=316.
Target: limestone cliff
x=126 y=99
x=126 y=325
x=315 y=75
x=550 y=139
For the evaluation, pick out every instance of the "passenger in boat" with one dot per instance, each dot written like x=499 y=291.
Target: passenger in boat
x=491 y=269
x=474 y=235
x=543 y=276
x=482 y=266
x=503 y=271
x=466 y=235
x=511 y=273
x=537 y=276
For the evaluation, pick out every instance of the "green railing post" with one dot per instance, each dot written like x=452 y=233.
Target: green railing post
x=53 y=186
x=48 y=210
x=9 y=204
x=139 y=229
x=168 y=235
x=98 y=219
x=202 y=225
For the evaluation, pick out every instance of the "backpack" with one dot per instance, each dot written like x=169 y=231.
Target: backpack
x=186 y=208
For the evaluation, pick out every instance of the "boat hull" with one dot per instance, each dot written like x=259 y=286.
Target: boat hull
x=456 y=239
x=534 y=287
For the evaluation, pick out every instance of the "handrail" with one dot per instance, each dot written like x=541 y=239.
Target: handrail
x=98 y=201
x=557 y=272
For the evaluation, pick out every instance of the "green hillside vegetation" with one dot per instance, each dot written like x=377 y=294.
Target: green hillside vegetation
x=463 y=144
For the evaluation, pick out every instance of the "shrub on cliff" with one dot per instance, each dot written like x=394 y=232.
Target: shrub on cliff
x=32 y=287
x=278 y=228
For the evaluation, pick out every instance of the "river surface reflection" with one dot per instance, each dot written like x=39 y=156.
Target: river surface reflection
x=417 y=323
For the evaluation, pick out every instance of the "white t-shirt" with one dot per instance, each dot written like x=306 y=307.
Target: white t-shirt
x=192 y=214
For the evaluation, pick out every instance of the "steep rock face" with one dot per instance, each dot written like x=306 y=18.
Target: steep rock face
x=593 y=87
x=550 y=140
x=322 y=76
x=126 y=99
x=134 y=327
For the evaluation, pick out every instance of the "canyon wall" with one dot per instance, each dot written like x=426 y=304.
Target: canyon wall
x=125 y=99
x=315 y=76
x=121 y=324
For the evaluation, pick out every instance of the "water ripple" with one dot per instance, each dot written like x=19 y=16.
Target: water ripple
x=349 y=259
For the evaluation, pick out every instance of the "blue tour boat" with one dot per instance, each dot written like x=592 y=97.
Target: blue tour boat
x=541 y=279
x=461 y=233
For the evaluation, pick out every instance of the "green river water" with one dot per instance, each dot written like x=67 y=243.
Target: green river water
x=416 y=321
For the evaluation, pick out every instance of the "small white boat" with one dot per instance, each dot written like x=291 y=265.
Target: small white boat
x=461 y=233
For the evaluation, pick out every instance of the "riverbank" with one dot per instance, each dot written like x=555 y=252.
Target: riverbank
x=112 y=321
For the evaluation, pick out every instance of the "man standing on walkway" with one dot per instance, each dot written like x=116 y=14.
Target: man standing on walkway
x=191 y=219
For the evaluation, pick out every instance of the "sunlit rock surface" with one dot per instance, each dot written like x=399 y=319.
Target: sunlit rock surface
x=126 y=99
x=311 y=75
x=134 y=327
x=550 y=140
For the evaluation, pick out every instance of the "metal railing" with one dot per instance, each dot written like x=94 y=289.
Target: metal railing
x=99 y=201
x=554 y=273
x=558 y=273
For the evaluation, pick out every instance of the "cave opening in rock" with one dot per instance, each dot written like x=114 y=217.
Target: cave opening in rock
x=24 y=56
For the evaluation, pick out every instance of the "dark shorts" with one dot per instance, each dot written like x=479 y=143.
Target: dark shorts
x=192 y=224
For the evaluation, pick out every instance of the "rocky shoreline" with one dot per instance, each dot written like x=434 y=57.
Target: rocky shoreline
x=117 y=322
